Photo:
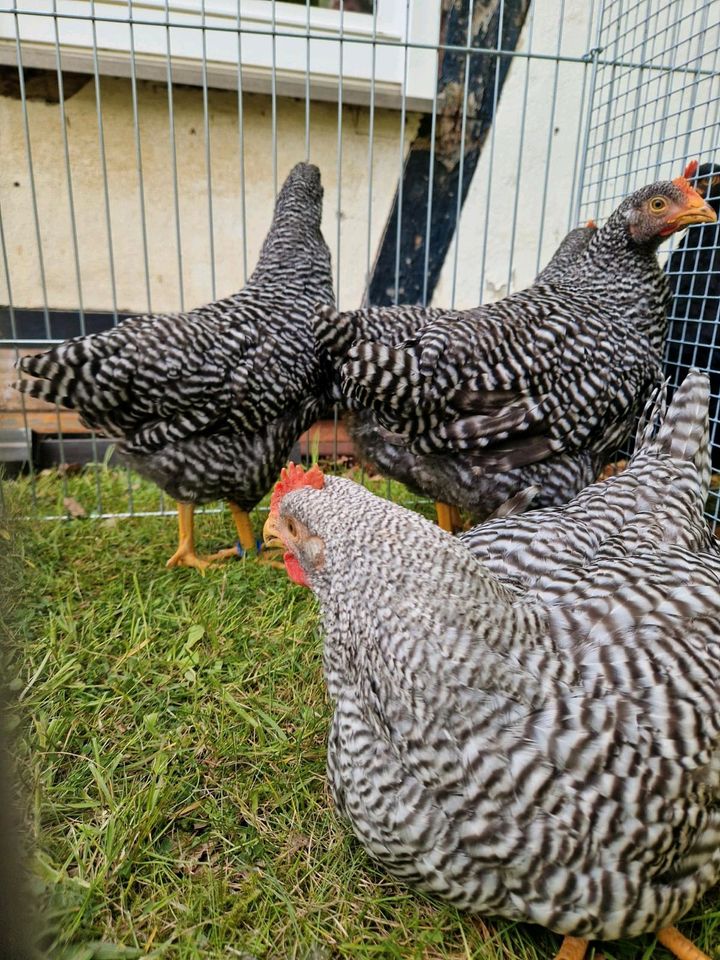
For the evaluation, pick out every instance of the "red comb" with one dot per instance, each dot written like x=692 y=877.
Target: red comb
x=293 y=478
x=687 y=188
x=591 y=224
x=691 y=169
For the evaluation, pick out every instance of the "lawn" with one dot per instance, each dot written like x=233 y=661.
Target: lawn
x=172 y=736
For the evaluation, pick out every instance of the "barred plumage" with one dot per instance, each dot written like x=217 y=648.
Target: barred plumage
x=209 y=403
x=572 y=246
x=452 y=478
x=667 y=477
x=536 y=738
x=539 y=387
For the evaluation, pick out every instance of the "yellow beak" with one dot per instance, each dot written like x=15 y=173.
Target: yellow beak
x=271 y=534
x=698 y=210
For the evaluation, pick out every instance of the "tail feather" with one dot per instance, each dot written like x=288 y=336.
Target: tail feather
x=681 y=429
x=43 y=390
x=41 y=365
x=515 y=505
x=74 y=375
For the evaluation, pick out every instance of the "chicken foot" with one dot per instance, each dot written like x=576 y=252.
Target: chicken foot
x=246 y=541
x=574 y=948
x=185 y=555
x=246 y=537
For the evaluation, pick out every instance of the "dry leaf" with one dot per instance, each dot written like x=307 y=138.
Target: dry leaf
x=68 y=469
x=74 y=508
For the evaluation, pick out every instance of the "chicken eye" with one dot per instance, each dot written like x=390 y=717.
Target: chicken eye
x=658 y=204
x=291 y=528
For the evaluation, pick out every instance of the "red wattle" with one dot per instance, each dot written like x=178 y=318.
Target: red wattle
x=294 y=570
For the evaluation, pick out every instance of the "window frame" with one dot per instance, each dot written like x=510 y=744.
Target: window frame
x=198 y=43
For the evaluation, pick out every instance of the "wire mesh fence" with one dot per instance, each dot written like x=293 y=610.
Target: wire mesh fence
x=458 y=140
x=643 y=122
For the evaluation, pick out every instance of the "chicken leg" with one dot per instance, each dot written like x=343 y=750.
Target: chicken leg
x=680 y=946
x=185 y=555
x=246 y=541
x=572 y=948
x=246 y=537
x=448 y=517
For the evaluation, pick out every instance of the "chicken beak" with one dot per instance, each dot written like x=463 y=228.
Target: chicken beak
x=697 y=210
x=271 y=533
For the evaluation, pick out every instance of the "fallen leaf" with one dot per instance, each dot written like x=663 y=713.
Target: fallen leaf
x=74 y=508
x=68 y=469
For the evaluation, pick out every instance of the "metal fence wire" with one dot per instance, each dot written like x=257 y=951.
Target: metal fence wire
x=143 y=144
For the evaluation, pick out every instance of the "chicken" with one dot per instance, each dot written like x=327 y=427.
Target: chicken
x=572 y=246
x=547 y=754
x=528 y=549
x=535 y=389
x=449 y=479
x=209 y=403
x=693 y=272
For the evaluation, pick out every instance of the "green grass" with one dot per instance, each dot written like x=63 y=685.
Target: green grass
x=172 y=736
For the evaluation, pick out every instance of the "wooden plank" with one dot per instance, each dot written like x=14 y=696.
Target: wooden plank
x=44 y=422
x=324 y=435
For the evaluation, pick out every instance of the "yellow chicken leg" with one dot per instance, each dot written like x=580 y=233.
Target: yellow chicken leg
x=680 y=946
x=455 y=519
x=572 y=948
x=448 y=517
x=444 y=516
x=246 y=537
x=185 y=555
x=247 y=544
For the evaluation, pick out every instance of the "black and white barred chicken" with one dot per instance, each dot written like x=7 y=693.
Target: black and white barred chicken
x=529 y=549
x=535 y=389
x=537 y=736
x=573 y=244
x=449 y=479
x=209 y=403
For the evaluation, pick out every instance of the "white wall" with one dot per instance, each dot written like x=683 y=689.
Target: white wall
x=123 y=190
x=537 y=171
